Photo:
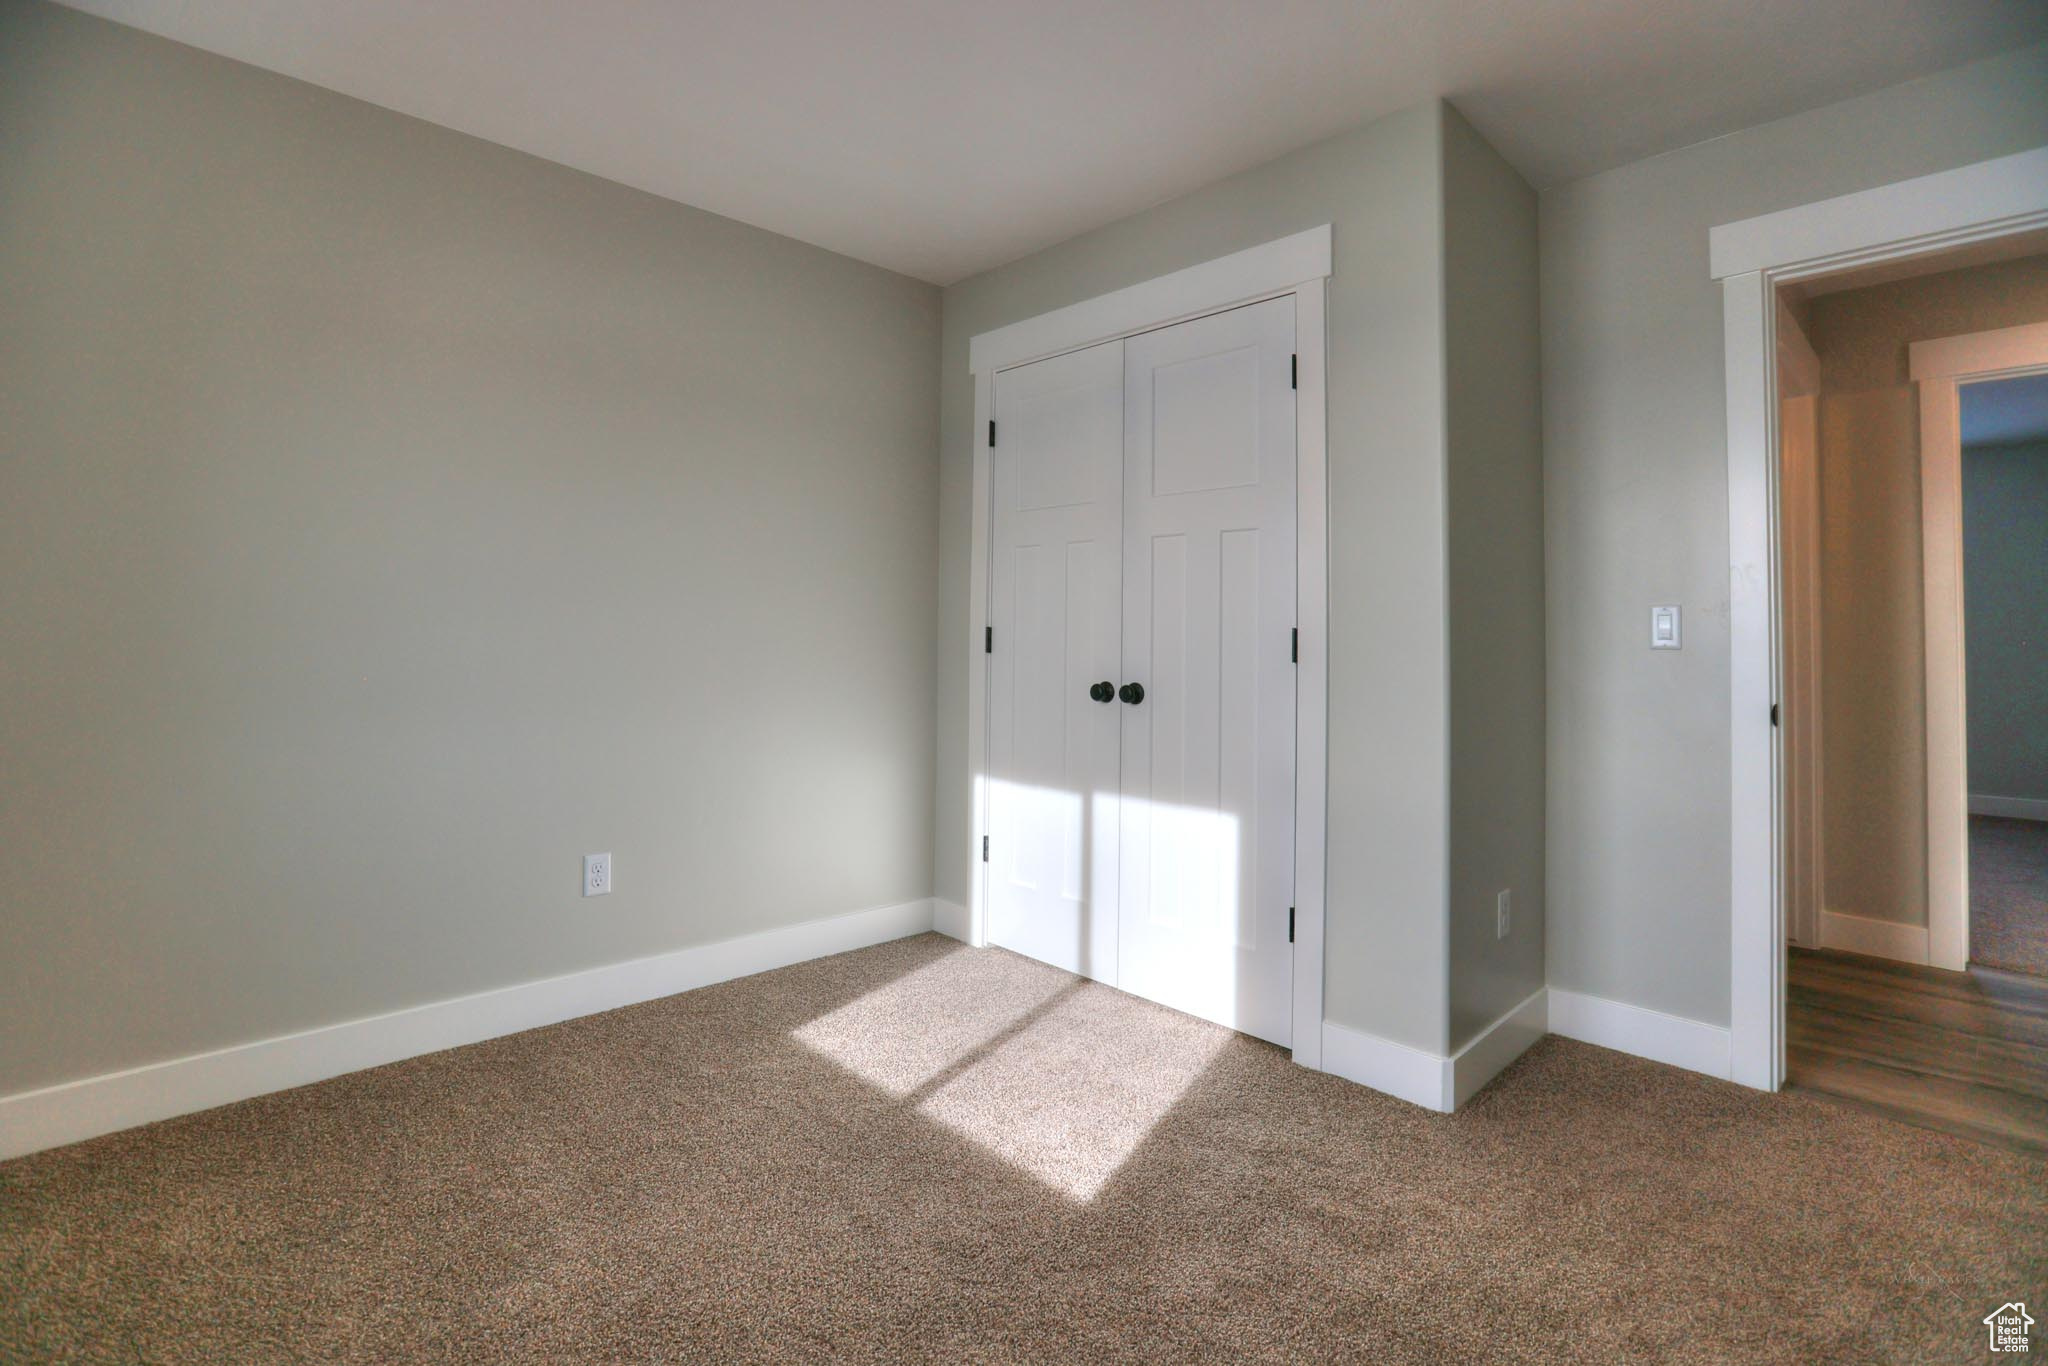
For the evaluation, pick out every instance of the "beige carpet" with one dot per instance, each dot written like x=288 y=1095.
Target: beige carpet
x=2009 y=894
x=921 y=1152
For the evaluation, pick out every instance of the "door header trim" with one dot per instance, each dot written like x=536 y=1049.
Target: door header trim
x=1906 y=218
x=1277 y=267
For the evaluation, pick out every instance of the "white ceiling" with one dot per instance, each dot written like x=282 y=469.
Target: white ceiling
x=942 y=137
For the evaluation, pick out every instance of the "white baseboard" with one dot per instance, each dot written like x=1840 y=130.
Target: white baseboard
x=1405 y=1073
x=1444 y=1084
x=951 y=919
x=1427 y=1079
x=1499 y=1044
x=1649 y=1034
x=2019 y=808
x=1878 y=938
x=70 y=1111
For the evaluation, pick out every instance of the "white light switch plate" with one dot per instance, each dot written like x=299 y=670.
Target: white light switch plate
x=597 y=874
x=1664 y=628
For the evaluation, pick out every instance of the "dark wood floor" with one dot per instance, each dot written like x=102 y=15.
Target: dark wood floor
x=1966 y=1052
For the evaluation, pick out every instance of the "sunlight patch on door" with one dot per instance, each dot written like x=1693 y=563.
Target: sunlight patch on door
x=1192 y=879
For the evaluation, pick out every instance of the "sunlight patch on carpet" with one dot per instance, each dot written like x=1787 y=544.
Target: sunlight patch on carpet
x=906 y=1033
x=1070 y=1096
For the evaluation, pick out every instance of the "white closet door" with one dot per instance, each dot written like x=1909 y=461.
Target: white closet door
x=1207 y=848
x=1056 y=607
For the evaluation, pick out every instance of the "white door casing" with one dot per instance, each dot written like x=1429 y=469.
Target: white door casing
x=1055 y=602
x=1941 y=366
x=1800 y=526
x=1209 y=595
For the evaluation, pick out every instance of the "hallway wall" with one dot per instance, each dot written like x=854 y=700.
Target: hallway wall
x=2005 y=597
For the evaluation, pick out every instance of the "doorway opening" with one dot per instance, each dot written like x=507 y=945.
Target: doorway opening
x=1912 y=469
x=2003 y=423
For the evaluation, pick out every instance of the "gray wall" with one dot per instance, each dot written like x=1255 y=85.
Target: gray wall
x=2005 y=596
x=391 y=519
x=1636 y=510
x=1379 y=187
x=1873 y=665
x=1495 y=562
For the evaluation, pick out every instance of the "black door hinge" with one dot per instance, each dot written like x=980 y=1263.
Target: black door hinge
x=1290 y=924
x=988 y=640
x=991 y=433
x=1774 y=713
x=1294 y=371
x=984 y=848
x=1294 y=646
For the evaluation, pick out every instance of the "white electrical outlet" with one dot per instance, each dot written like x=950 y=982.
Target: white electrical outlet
x=1502 y=907
x=597 y=874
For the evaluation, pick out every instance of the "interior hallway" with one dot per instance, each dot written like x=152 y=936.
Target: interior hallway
x=914 y=1142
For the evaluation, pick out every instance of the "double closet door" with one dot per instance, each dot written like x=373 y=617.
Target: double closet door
x=1141 y=689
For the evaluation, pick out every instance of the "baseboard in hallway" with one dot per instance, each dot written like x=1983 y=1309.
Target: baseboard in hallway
x=75 y=1110
x=1872 y=937
x=2013 y=808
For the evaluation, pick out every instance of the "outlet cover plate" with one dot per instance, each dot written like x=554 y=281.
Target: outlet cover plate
x=597 y=874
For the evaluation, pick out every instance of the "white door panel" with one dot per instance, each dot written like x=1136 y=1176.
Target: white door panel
x=1207 y=851
x=1055 y=605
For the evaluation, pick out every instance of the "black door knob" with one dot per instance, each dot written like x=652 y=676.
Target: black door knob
x=1105 y=691
x=1133 y=693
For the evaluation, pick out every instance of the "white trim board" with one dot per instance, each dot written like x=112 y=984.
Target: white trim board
x=2000 y=351
x=1426 y=1079
x=1467 y=1071
x=1648 y=1034
x=2017 y=808
x=1927 y=213
x=1751 y=258
x=952 y=919
x=1405 y=1073
x=65 y=1113
x=1242 y=277
x=1873 y=938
